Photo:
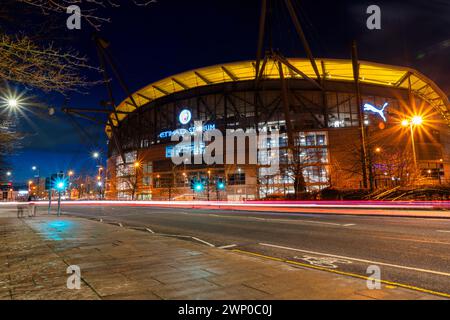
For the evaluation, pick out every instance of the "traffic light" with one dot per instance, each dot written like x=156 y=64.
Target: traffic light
x=220 y=184
x=48 y=184
x=58 y=181
x=198 y=186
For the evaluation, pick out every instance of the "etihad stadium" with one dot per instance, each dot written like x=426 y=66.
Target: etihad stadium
x=401 y=114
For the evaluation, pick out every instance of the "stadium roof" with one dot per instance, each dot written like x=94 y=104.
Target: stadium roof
x=332 y=69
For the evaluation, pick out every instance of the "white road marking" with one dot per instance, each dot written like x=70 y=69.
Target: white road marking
x=326 y=262
x=203 y=241
x=311 y=221
x=283 y=220
x=443 y=231
x=228 y=246
x=149 y=230
x=101 y=220
x=360 y=260
x=120 y=224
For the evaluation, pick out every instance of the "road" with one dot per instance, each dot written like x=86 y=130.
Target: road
x=409 y=251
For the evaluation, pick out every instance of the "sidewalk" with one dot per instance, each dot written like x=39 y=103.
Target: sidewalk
x=121 y=263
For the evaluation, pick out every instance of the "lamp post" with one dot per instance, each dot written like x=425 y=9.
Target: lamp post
x=135 y=191
x=70 y=173
x=412 y=123
x=97 y=156
x=38 y=178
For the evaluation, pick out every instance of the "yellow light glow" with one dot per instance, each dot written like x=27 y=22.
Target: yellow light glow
x=405 y=123
x=416 y=120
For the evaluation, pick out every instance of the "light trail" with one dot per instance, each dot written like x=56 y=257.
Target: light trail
x=420 y=205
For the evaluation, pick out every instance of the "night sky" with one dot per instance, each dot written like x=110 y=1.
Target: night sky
x=168 y=37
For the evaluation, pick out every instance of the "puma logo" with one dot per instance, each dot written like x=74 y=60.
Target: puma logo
x=380 y=112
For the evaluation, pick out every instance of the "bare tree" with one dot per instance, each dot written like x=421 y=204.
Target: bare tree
x=89 y=8
x=28 y=58
x=43 y=67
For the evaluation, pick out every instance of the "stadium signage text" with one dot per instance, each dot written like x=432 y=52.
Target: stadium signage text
x=181 y=131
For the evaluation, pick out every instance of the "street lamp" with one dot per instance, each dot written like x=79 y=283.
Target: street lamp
x=9 y=173
x=13 y=103
x=415 y=121
x=95 y=155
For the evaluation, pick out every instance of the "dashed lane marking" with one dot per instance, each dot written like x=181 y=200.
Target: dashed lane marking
x=203 y=241
x=228 y=246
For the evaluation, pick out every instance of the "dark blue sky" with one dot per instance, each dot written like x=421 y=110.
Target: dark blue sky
x=171 y=36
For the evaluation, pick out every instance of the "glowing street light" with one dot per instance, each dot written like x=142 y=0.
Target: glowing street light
x=377 y=149
x=13 y=103
x=9 y=173
x=417 y=120
x=70 y=173
x=95 y=155
x=12 y=100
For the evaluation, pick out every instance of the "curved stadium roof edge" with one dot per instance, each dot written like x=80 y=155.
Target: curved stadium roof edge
x=333 y=69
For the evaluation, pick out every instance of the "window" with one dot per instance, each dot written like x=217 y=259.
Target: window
x=148 y=167
x=236 y=179
x=147 y=181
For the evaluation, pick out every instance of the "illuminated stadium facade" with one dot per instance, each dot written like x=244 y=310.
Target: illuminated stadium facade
x=329 y=118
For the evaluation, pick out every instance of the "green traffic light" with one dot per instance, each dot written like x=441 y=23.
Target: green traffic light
x=198 y=187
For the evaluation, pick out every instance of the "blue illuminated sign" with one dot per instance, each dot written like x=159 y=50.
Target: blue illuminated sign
x=185 y=116
x=181 y=131
x=373 y=109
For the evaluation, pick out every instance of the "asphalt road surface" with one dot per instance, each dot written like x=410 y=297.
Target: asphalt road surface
x=409 y=251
